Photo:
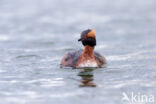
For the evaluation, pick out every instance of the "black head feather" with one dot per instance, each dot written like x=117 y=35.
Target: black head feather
x=87 y=41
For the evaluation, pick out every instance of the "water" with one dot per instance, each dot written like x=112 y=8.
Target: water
x=35 y=34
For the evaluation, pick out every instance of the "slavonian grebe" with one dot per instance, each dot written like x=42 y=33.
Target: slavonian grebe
x=87 y=57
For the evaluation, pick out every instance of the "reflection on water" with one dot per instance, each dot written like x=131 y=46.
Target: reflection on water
x=87 y=76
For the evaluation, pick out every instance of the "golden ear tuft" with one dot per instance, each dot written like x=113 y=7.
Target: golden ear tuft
x=92 y=34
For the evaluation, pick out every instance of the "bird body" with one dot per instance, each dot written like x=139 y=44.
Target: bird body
x=87 y=57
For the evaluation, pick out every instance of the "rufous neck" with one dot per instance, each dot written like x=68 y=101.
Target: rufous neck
x=88 y=51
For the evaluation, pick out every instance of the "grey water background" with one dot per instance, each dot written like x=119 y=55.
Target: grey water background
x=35 y=34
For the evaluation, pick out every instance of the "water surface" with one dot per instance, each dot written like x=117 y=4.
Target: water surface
x=34 y=35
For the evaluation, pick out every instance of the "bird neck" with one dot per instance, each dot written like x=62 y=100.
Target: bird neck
x=88 y=51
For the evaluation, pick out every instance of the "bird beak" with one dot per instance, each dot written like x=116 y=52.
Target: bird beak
x=80 y=39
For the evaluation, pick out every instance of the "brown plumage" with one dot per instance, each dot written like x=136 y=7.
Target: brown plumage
x=87 y=57
x=88 y=54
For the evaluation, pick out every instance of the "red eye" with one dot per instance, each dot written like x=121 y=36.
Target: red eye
x=86 y=37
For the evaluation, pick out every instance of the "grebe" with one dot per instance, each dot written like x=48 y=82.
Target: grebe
x=87 y=57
